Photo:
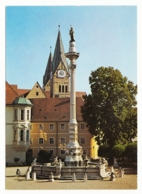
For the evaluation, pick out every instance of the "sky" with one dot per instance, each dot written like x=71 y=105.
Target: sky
x=104 y=35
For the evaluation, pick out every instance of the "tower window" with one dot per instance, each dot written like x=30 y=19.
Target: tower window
x=22 y=114
x=27 y=135
x=15 y=133
x=62 y=88
x=37 y=93
x=28 y=114
x=21 y=135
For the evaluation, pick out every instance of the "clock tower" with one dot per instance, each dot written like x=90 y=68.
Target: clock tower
x=57 y=77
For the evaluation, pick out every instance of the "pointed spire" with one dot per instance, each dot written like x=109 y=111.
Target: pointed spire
x=59 y=54
x=58 y=27
x=46 y=76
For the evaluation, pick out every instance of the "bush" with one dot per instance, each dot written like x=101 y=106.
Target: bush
x=16 y=159
x=131 y=152
x=117 y=150
x=44 y=156
x=104 y=151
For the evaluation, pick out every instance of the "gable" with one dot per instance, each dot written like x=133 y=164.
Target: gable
x=36 y=92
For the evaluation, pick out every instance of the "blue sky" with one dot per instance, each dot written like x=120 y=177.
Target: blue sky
x=105 y=36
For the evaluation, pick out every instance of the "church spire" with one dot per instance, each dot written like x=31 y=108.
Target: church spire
x=59 y=54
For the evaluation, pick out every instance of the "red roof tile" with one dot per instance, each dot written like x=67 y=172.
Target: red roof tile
x=54 y=109
x=11 y=94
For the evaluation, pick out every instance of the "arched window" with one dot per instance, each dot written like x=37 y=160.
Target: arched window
x=62 y=88
x=59 y=88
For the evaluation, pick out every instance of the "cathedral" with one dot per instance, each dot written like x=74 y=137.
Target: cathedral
x=38 y=118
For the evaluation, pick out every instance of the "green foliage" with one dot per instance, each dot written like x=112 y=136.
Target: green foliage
x=109 y=110
x=16 y=159
x=131 y=151
x=44 y=156
x=104 y=150
x=117 y=150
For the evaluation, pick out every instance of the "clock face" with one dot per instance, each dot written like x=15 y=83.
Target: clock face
x=61 y=73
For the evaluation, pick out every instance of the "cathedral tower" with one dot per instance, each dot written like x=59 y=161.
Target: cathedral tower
x=56 y=77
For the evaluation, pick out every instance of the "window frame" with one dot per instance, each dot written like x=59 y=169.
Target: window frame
x=40 y=138
x=51 y=124
x=81 y=138
x=50 y=141
x=62 y=124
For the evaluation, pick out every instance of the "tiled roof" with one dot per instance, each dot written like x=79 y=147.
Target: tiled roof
x=11 y=94
x=54 y=109
x=21 y=92
x=80 y=94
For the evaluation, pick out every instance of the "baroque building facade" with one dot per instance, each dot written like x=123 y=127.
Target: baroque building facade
x=46 y=114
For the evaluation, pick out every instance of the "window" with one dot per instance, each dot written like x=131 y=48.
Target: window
x=66 y=88
x=62 y=126
x=15 y=133
x=31 y=141
x=51 y=126
x=82 y=140
x=21 y=135
x=51 y=140
x=63 y=151
x=59 y=88
x=63 y=140
x=37 y=93
x=62 y=88
x=40 y=140
x=41 y=127
x=28 y=114
x=15 y=114
x=27 y=135
x=82 y=126
x=22 y=114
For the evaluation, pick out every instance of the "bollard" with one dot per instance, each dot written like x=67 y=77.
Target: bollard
x=28 y=175
x=73 y=177
x=51 y=177
x=85 y=177
x=34 y=176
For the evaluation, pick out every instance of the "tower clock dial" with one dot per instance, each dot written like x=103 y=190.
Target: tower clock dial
x=61 y=73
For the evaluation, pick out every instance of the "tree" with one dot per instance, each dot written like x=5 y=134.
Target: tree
x=109 y=110
x=44 y=156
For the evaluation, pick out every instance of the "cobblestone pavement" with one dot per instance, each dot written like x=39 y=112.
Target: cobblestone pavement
x=13 y=183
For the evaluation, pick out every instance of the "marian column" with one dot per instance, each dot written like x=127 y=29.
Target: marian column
x=73 y=149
